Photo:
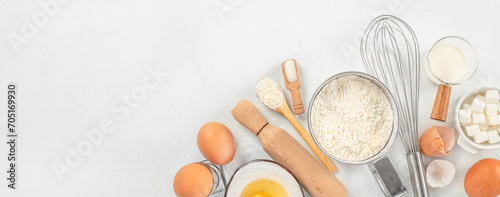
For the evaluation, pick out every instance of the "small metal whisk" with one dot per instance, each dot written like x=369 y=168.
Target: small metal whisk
x=389 y=49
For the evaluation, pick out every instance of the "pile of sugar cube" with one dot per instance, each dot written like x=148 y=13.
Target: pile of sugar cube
x=481 y=118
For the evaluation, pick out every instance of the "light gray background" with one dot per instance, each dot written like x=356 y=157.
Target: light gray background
x=87 y=54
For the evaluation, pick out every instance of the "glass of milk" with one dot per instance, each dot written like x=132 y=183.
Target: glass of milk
x=451 y=61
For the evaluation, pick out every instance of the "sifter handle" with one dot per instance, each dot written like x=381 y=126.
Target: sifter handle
x=441 y=103
x=417 y=174
x=388 y=178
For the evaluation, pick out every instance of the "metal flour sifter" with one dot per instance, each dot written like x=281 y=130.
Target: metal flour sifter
x=389 y=50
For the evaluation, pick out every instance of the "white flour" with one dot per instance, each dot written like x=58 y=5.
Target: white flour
x=269 y=92
x=352 y=118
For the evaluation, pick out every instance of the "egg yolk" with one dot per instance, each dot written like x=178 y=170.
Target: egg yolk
x=264 y=188
x=260 y=194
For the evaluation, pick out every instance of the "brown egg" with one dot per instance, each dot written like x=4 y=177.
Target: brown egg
x=437 y=141
x=216 y=143
x=483 y=179
x=193 y=180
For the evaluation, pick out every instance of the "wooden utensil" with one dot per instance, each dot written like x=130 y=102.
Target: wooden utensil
x=298 y=107
x=282 y=147
x=441 y=103
x=285 y=110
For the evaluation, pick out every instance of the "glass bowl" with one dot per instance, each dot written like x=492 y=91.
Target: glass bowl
x=468 y=51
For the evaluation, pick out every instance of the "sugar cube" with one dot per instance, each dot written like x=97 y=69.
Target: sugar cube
x=478 y=118
x=478 y=105
x=492 y=96
x=465 y=116
x=481 y=97
x=498 y=107
x=480 y=137
x=472 y=130
x=483 y=127
x=466 y=124
x=496 y=127
x=494 y=120
x=493 y=137
x=466 y=106
x=491 y=109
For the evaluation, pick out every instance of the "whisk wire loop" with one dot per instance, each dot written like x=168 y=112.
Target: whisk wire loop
x=390 y=52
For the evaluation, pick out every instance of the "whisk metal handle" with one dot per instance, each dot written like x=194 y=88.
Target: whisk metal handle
x=417 y=174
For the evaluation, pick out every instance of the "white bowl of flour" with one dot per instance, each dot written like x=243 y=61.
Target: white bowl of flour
x=353 y=118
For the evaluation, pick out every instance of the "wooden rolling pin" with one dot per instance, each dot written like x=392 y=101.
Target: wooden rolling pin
x=283 y=148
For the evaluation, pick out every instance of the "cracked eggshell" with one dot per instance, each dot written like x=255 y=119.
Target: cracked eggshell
x=440 y=173
x=437 y=141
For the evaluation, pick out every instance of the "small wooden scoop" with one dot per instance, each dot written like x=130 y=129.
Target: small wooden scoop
x=283 y=148
x=293 y=85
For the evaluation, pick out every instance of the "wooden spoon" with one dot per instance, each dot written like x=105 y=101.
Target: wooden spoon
x=285 y=110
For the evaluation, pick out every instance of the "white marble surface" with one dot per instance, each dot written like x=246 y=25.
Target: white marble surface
x=85 y=55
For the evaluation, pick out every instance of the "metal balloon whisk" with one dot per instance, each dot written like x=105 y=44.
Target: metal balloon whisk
x=389 y=49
